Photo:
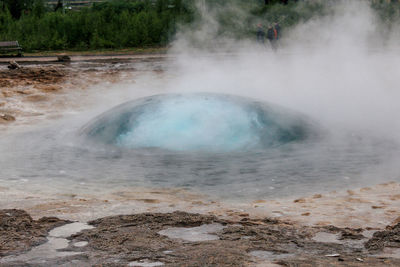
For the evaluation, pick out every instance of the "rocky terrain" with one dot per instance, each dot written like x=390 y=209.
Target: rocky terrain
x=19 y=232
x=188 y=239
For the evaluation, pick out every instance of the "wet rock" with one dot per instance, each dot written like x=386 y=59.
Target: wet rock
x=137 y=240
x=354 y=234
x=7 y=93
x=6 y=118
x=132 y=238
x=205 y=232
x=29 y=76
x=19 y=232
x=156 y=220
x=345 y=233
x=141 y=236
x=25 y=92
x=395 y=197
x=300 y=200
x=37 y=98
x=390 y=237
x=351 y=192
x=63 y=58
x=271 y=221
x=12 y=65
x=48 y=88
x=149 y=201
x=345 y=261
x=365 y=189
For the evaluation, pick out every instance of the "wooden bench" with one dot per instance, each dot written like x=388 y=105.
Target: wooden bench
x=9 y=47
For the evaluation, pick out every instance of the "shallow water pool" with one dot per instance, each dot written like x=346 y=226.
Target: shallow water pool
x=241 y=159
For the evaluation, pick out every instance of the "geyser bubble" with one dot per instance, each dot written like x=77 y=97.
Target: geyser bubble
x=198 y=122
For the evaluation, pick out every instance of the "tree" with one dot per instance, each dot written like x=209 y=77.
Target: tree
x=17 y=7
x=38 y=8
x=59 y=5
x=285 y=2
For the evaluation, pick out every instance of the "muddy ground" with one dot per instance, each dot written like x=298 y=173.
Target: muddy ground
x=137 y=240
x=19 y=232
x=42 y=89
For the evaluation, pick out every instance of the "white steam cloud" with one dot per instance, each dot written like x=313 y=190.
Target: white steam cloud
x=340 y=68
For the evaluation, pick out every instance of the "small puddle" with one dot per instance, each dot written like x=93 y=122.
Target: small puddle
x=80 y=244
x=324 y=237
x=69 y=229
x=389 y=252
x=50 y=250
x=204 y=232
x=145 y=263
x=268 y=255
x=369 y=233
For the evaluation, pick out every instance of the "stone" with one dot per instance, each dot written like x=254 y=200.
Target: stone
x=64 y=58
x=12 y=65
x=6 y=118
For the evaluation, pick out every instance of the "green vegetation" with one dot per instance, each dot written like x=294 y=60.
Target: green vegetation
x=120 y=24
x=239 y=20
x=388 y=12
x=113 y=24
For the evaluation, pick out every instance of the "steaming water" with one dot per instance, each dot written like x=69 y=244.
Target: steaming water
x=332 y=68
x=199 y=122
x=59 y=157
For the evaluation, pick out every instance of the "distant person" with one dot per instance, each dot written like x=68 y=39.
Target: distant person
x=271 y=36
x=260 y=34
x=277 y=28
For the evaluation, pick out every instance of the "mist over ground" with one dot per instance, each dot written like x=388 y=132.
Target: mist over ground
x=342 y=69
x=338 y=68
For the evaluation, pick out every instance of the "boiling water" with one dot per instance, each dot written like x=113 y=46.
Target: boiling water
x=159 y=142
x=199 y=122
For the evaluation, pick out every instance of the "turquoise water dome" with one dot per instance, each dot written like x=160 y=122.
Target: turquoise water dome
x=198 y=122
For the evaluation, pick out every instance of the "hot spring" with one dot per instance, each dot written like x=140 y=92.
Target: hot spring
x=199 y=122
x=220 y=145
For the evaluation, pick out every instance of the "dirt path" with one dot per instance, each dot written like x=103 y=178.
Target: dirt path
x=78 y=58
